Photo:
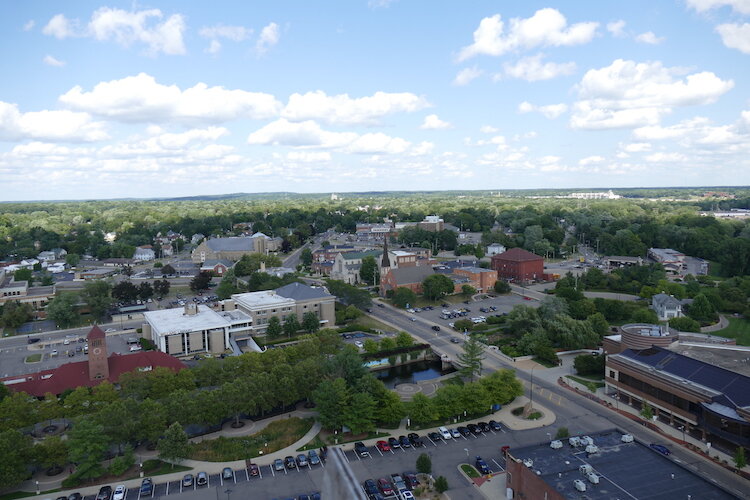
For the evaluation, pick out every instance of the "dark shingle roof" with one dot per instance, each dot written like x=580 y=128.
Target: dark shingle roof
x=300 y=291
x=517 y=255
x=231 y=244
x=416 y=274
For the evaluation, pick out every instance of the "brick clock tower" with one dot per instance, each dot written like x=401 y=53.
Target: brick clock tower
x=98 y=363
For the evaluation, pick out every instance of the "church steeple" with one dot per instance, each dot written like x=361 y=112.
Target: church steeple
x=386 y=262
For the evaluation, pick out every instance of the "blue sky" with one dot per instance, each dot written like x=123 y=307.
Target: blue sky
x=114 y=99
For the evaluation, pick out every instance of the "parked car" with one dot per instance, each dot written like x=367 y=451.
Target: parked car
x=444 y=433
x=407 y=495
x=370 y=488
x=455 y=434
x=227 y=473
x=187 y=480
x=495 y=426
x=313 y=458
x=474 y=429
x=398 y=482
x=253 y=469
x=201 y=479
x=484 y=426
x=75 y=496
x=147 y=487
x=464 y=431
x=434 y=436
x=361 y=449
x=119 y=493
x=289 y=462
x=415 y=440
x=411 y=480
x=393 y=442
x=278 y=465
x=105 y=493
x=383 y=446
x=481 y=466
x=301 y=460
x=385 y=487
x=661 y=449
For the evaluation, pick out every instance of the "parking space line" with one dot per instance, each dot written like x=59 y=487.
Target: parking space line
x=247 y=475
x=273 y=474
x=498 y=465
x=260 y=473
x=167 y=488
x=381 y=453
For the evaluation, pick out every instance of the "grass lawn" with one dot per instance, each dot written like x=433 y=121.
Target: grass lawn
x=546 y=363
x=25 y=494
x=278 y=434
x=591 y=384
x=34 y=358
x=158 y=467
x=370 y=322
x=470 y=471
x=739 y=329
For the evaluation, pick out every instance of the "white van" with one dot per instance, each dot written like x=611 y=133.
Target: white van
x=445 y=433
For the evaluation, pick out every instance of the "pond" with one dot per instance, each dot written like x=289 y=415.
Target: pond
x=413 y=372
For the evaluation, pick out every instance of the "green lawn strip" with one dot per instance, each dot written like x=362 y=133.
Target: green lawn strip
x=315 y=444
x=470 y=471
x=276 y=435
x=25 y=494
x=34 y=358
x=738 y=329
x=544 y=362
x=370 y=322
x=590 y=384
x=160 y=467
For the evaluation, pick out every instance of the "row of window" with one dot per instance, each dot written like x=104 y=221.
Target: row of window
x=659 y=394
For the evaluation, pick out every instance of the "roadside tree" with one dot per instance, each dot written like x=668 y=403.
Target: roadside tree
x=173 y=447
x=436 y=286
x=310 y=322
x=63 y=310
x=274 y=328
x=403 y=297
x=96 y=294
x=471 y=358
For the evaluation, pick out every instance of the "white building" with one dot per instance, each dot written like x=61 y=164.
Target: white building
x=600 y=195
x=144 y=253
x=495 y=249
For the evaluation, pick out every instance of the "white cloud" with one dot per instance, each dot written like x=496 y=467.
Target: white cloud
x=617 y=28
x=665 y=157
x=735 y=36
x=125 y=28
x=533 y=69
x=746 y=117
x=637 y=147
x=629 y=94
x=466 y=75
x=378 y=143
x=488 y=129
x=29 y=25
x=741 y=6
x=546 y=28
x=345 y=110
x=59 y=125
x=214 y=47
x=650 y=38
x=550 y=111
x=432 y=122
x=141 y=99
x=590 y=160
x=51 y=61
x=380 y=4
x=234 y=33
x=309 y=156
x=269 y=36
x=698 y=132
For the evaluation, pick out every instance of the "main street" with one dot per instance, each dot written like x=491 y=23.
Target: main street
x=578 y=413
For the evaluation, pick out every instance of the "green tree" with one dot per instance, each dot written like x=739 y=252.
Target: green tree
x=387 y=344
x=87 y=443
x=200 y=282
x=250 y=263
x=330 y=398
x=424 y=464
x=15 y=448
x=436 y=286
x=72 y=259
x=52 y=452
x=125 y=291
x=502 y=386
x=174 y=446
x=291 y=325
x=371 y=346
x=369 y=270
x=468 y=290
x=463 y=325
x=646 y=411
x=16 y=314
x=348 y=294
x=23 y=275
x=168 y=270
x=551 y=307
x=96 y=294
x=441 y=484
x=145 y=291
x=701 y=309
x=161 y=287
x=598 y=323
x=587 y=364
x=306 y=257
x=359 y=414
x=501 y=287
x=421 y=409
x=403 y=297
x=389 y=408
x=63 y=310
x=739 y=458
x=403 y=339
x=644 y=315
x=685 y=324
x=152 y=420
x=310 y=322
x=274 y=328
x=471 y=358
x=562 y=433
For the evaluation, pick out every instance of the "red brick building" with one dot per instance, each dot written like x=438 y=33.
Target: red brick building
x=481 y=279
x=518 y=265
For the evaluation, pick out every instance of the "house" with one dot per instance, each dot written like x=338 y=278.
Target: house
x=495 y=249
x=196 y=238
x=144 y=253
x=54 y=254
x=167 y=250
x=666 y=306
x=217 y=267
x=346 y=266
x=99 y=367
x=322 y=258
x=234 y=247
x=518 y=265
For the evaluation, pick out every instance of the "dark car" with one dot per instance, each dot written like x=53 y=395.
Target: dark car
x=253 y=469
x=147 y=487
x=289 y=462
x=473 y=428
x=394 y=443
x=313 y=458
x=187 y=480
x=105 y=493
x=464 y=431
x=385 y=486
x=398 y=482
x=455 y=340
x=303 y=497
x=404 y=442
x=62 y=498
x=227 y=473
x=415 y=440
x=436 y=328
x=370 y=488
x=484 y=426
x=381 y=305
x=361 y=449
x=32 y=340
x=435 y=436
x=411 y=480
x=445 y=304
x=495 y=426
x=660 y=448
x=481 y=466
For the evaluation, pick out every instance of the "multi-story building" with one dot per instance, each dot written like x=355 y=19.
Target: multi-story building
x=495 y=249
x=483 y=280
x=346 y=266
x=233 y=248
x=12 y=290
x=374 y=232
x=518 y=265
x=144 y=253
x=432 y=223
x=666 y=306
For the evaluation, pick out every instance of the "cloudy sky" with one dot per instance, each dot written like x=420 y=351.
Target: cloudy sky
x=108 y=100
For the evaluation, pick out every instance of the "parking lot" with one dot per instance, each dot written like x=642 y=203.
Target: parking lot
x=288 y=482
x=503 y=304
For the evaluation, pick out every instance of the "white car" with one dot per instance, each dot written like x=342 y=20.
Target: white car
x=359 y=344
x=455 y=433
x=135 y=348
x=119 y=493
x=110 y=330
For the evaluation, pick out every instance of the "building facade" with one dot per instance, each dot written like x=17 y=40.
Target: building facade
x=518 y=265
x=233 y=248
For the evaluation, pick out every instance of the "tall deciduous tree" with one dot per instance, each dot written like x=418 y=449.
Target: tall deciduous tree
x=403 y=297
x=310 y=322
x=471 y=358
x=173 y=447
x=359 y=414
x=200 y=282
x=274 y=328
x=291 y=325
x=436 y=286
x=63 y=310
x=15 y=450
x=306 y=257
x=330 y=397
x=96 y=294
x=87 y=443
x=369 y=270
x=421 y=409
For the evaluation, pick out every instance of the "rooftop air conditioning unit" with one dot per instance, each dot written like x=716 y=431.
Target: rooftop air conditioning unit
x=574 y=441
x=528 y=462
x=556 y=444
x=585 y=469
x=627 y=438
x=593 y=478
x=591 y=449
x=580 y=485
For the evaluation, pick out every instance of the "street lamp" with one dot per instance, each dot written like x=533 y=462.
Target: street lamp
x=682 y=428
x=531 y=395
x=467 y=452
x=227 y=491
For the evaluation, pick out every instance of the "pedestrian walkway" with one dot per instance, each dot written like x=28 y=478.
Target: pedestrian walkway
x=723 y=323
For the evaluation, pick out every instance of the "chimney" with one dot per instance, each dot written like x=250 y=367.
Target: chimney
x=191 y=309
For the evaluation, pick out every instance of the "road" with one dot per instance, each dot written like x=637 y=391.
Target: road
x=579 y=414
